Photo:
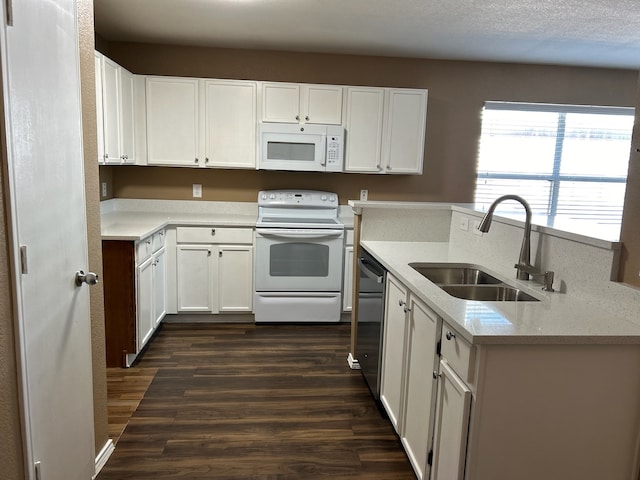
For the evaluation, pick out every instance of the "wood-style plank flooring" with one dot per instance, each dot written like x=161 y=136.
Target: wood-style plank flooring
x=240 y=401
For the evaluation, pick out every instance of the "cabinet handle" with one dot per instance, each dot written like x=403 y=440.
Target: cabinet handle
x=436 y=375
x=213 y=231
x=450 y=335
x=406 y=309
x=161 y=234
x=307 y=118
x=148 y=242
x=401 y=303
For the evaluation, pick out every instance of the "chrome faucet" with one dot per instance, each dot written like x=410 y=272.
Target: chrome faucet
x=524 y=267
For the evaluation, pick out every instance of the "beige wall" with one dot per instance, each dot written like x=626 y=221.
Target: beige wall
x=91 y=174
x=630 y=235
x=457 y=91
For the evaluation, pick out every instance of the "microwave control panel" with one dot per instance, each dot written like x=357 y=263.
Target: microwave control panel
x=335 y=150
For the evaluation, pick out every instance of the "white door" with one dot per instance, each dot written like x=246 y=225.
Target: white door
x=196 y=273
x=159 y=286
x=451 y=427
x=41 y=95
x=230 y=123
x=363 y=127
x=126 y=120
x=322 y=104
x=144 y=315
x=111 y=111
x=280 y=102
x=235 y=278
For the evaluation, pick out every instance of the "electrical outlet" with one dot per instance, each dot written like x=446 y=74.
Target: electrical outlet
x=104 y=189
x=197 y=190
x=364 y=195
x=476 y=224
x=464 y=224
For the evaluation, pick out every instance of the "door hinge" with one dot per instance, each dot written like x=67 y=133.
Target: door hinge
x=36 y=470
x=430 y=457
x=9 y=12
x=24 y=265
x=439 y=348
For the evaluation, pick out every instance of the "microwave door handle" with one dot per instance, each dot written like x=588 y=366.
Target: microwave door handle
x=368 y=272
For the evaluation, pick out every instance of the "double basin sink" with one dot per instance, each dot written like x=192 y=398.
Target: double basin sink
x=470 y=282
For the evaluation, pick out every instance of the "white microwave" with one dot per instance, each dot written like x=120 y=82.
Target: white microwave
x=304 y=148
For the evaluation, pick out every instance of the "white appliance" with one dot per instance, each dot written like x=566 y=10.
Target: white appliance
x=306 y=148
x=299 y=257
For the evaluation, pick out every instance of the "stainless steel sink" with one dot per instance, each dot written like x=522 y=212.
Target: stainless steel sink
x=454 y=274
x=470 y=282
x=488 y=293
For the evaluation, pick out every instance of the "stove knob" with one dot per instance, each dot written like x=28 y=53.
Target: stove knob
x=272 y=196
x=323 y=198
x=332 y=198
x=264 y=196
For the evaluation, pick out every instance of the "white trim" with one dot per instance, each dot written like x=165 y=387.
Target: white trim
x=103 y=456
x=353 y=362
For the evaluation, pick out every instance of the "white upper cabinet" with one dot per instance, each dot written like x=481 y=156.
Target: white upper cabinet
x=201 y=123
x=385 y=130
x=117 y=106
x=403 y=140
x=363 y=125
x=230 y=124
x=97 y=58
x=173 y=136
x=302 y=103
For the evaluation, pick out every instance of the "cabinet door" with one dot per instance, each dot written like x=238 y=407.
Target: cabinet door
x=127 y=120
x=195 y=266
x=321 y=104
x=235 y=278
x=159 y=286
x=403 y=144
x=230 y=124
x=172 y=121
x=280 y=102
x=422 y=360
x=144 y=303
x=347 y=293
x=97 y=57
x=451 y=426
x=111 y=111
x=393 y=347
x=363 y=129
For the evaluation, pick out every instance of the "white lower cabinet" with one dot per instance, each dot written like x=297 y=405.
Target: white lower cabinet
x=420 y=385
x=214 y=278
x=145 y=322
x=451 y=426
x=393 y=351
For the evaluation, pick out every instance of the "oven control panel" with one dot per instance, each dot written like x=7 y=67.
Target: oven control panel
x=307 y=198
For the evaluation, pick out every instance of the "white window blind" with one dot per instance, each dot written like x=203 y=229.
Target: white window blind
x=567 y=161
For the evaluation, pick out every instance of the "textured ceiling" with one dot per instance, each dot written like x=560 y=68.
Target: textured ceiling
x=603 y=33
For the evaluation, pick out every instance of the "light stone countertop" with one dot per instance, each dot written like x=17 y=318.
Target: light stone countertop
x=130 y=219
x=557 y=318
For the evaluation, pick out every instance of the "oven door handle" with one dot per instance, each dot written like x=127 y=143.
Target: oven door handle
x=368 y=272
x=299 y=233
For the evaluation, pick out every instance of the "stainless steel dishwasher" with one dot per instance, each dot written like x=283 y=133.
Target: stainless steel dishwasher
x=371 y=295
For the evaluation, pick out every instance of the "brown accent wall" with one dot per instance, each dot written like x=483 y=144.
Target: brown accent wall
x=94 y=239
x=457 y=91
x=630 y=234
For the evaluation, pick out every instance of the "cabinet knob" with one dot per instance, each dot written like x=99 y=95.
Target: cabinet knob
x=307 y=118
x=401 y=303
x=450 y=335
x=436 y=374
x=388 y=167
x=378 y=167
x=406 y=309
x=208 y=253
x=206 y=160
x=297 y=117
x=220 y=253
x=213 y=231
x=197 y=160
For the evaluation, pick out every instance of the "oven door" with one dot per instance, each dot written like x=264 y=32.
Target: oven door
x=304 y=260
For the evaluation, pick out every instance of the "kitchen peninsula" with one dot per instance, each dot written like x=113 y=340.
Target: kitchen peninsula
x=499 y=390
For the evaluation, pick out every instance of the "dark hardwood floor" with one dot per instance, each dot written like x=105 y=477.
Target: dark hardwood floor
x=240 y=401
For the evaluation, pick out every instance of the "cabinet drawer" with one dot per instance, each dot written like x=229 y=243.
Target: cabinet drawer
x=348 y=235
x=459 y=353
x=157 y=242
x=214 y=235
x=144 y=249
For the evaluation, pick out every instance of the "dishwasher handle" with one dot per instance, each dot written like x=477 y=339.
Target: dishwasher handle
x=362 y=264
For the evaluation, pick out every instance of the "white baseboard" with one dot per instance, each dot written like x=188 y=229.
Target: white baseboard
x=103 y=456
x=353 y=363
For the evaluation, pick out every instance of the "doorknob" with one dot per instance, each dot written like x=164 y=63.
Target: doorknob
x=89 y=278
